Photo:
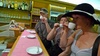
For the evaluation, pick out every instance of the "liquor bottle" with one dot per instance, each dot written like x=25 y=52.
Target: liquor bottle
x=1 y=3
x=4 y=3
x=12 y=5
x=19 y=6
x=23 y=6
x=9 y=4
x=15 y=5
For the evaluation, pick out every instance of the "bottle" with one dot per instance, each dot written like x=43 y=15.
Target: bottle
x=19 y=7
x=30 y=5
x=4 y=3
x=9 y=4
x=15 y=5
x=12 y=5
x=23 y=6
x=1 y=3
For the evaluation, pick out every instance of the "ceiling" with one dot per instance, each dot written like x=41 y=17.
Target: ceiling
x=94 y=3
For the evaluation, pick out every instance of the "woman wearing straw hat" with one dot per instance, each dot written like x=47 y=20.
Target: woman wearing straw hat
x=83 y=42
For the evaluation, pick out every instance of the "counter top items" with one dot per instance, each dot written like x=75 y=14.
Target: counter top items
x=35 y=50
x=31 y=31
x=31 y=36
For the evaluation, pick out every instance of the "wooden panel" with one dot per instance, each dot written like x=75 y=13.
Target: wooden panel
x=35 y=11
x=40 y=5
x=57 y=8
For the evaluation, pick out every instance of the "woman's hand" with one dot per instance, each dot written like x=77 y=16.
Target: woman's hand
x=56 y=25
x=66 y=26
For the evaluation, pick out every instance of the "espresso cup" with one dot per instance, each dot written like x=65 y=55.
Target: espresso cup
x=41 y=17
x=71 y=25
x=60 y=25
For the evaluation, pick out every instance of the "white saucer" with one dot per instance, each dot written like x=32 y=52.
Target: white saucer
x=28 y=30
x=33 y=32
x=34 y=50
x=31 y=36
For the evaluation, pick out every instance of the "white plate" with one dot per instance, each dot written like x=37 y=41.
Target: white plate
x=33 y=32
x=34 y=50
x=28 y=30
x=31 y=36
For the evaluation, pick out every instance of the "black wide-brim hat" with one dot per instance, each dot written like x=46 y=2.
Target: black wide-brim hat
x=84 y=9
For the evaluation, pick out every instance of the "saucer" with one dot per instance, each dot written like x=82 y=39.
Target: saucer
x=32 y=32
x=31 y=36
x=35 y=50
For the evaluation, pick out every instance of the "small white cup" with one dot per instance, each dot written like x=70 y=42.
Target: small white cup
x=71 y=25
x=60 y=25
x=41 y=17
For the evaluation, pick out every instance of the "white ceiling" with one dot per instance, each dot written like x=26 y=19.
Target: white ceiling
x=94 y=3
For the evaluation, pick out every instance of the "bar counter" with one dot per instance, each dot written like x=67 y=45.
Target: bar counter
x=22 y=43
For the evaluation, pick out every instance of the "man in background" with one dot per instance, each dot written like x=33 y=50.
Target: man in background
x=43 y=27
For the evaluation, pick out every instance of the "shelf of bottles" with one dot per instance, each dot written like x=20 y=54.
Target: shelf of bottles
x=10 y=9
x=12 y=4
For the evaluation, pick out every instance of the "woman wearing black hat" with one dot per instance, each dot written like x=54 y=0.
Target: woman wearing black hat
x=83 y=42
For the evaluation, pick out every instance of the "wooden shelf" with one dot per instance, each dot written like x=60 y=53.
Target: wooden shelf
x=4 y=8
